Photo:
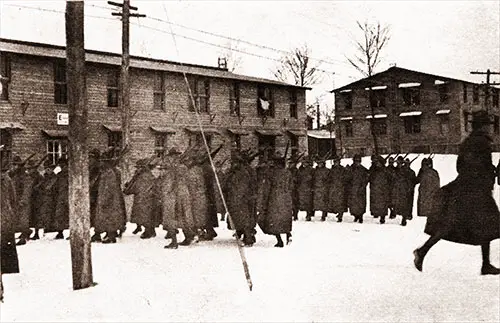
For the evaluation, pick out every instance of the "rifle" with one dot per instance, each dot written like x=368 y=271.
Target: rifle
x=431 y=155
x=414 y=159
x=286 y=149
x=386 y=158
x=406 y=155
x=39 y=162
x=27 y=159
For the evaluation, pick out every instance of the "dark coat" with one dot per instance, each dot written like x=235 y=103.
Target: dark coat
x=279 y=216
x=295 y=189
x=336 y=197
x=411 y=181
x=429 y=185
x=185 y=215
x=36 y=199
x=195 y=177
x=392 y=171
x=110 y=213
x=358 y=179
x=46 y=191
x=320 y=188
x=8 y=252
x=239 y=192
x=210 y=182
x=168 y=196
x=24 y=201
x=218 y=199
x=380 y=180
x=60 y=221
x=399 y=194
x=93 y=187
x=263 y=189
x=305 y=178
x=142 y=187
x=465 y=209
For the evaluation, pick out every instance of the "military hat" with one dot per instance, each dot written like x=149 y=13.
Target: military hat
x=481 y=117
x=357 y=157
x=173 y=151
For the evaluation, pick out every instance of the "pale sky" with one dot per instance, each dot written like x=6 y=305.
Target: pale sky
x=449 y=38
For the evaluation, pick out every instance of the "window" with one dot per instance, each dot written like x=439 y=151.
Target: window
x=56 y=148
x=265 y=102
x=443 y=93
x=200 y=88
x=234 y=99
x=465 y=92
x=495 y=97
x=293 y=103
x=349 y=131
x=379 y=126
x=115 y=140
x=197 y=139
x=347 y=99
x=466 y=121
x=267 y=144
x=411 y=95
x=294 y=145
x=60 y=86
x=444 y=123
x=6 y=142
x=377 y=98
x=4 y=75
x=113 y=88
x=158 y=91
x=496 y=124
x=475 y=94
x=160 y=144
x=412 y=124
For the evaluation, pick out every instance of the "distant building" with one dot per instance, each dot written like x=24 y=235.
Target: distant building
x=321 y=142
x=240 y=111
x=413 y=112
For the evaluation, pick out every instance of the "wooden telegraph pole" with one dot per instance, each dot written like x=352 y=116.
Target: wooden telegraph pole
x=488 y=74
x=79 y=202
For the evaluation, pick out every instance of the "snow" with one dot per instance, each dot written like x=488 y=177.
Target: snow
x=346 y=272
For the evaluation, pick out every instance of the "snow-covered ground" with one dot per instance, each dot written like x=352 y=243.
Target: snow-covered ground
x=346 y=272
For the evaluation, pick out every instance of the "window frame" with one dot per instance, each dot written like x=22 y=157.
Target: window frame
x=198 y=95
x=464 y=89
x=159 y=91
x=349 y=128
x=444 y=93
x=377 y=98
x=496 y=124
x=347 y=98
x=161 y=143
x=265 y=92
x=379 y=126
x=294 y=144
x=60 y=82
x=234 y=99
x=475 y=94
x=495 y=95
x=411 y=95
x=294 y=103
x=60 y=149
x=444 y=123
x=115 y=141
x=113 y=88
x=412 y=124
x=6 y=75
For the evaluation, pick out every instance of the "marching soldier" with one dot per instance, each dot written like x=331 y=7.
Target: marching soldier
x=25 y=183
x=94 y=171
x=428 y=178
x=380 y=179
x=35 y=178
x=8 y=252
x=320 y=190
x=305 y=179
x=337 y=181
x=60 y=221
x=411 y=181
x=263 y=172
x=399 y=190
x=358 y=179
x=293 y=161
x=142 y=187
x=392 y=170
x=46 y=191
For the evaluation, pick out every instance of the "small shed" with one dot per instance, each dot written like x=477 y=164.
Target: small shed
x=321 y=142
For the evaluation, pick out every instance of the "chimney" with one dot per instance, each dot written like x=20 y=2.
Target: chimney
x=222 y=62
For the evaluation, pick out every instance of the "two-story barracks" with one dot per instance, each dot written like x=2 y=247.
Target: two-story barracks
x=237 y=110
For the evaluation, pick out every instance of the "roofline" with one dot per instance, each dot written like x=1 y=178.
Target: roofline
x=403 y=69
x=153 y=60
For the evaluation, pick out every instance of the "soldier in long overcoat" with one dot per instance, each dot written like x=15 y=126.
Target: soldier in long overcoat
x=8 y=252
x=467 y=212
x=358 y=179
x=221 y=174
x=60 y=221
x=263 y=171
x=293 y=162
x=279 y=216
x=110 y=214
x=320 y=189
x=380 y=180
x=168 y=196
x=428 y=178
x=399 y=189
x=46 y=191
x=142 y=187
x=305 y=178
x=337 y=182
x=94 y=171
x=239 y=192
x=25 y=201
x=411 y=181
x=392 y=170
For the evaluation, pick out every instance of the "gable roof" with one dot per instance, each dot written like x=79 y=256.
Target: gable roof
x=93 y=56
x=366 y=81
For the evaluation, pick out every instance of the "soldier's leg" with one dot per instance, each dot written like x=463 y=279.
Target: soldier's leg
x=420 y=253
x=137 y=229
x=382 y=218
x=60 y=235
x=149 y=232
x=403 y=220
x=288 y=238
x=339 y=216
x=310 y=214
x=324 y=214
x=188 y=237
x=210 y=233
x=248 y=238
x=392 y=213
x=487 y=268
x=96 y=237
x=110 y=238
x=36 y=235
x=172 y=234
x=279 y=244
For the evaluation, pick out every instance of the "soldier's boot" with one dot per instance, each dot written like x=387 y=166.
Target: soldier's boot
x=210 y=234
x=137 y=229
x=22 y=240
x=339 y=217
x=223 y=216
x=36 y=236
x=392 y=214
x=148 y=233
x=355 y=218
x=110 y=238
x=173 y=244
x=288 y=238
x=248 y=239
x=279 y=244
x=403 y=221
x=360 y=218
x=323 y=216
x=59 y=236
x=382 y=219
x=122 y=231
x=188 y=239
x=418 y=259
x=375 y=215
x=309 y=215
x=295 y=215
x=96 y=237
x=410 y=217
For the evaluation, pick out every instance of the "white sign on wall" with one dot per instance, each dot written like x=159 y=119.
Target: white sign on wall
x=62 y=119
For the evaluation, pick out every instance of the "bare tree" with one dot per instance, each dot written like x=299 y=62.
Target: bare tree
x=375 y=39
x=233 y=58
x=296 y=67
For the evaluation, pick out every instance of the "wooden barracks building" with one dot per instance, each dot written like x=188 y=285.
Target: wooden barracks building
x=414 y=112
x=240 y=111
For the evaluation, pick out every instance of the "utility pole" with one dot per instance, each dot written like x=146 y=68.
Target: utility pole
x=125 y=67
x=488 y=74
x=318 y=116
x=79 y=202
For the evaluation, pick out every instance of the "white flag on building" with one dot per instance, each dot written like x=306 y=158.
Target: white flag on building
x=264 y=104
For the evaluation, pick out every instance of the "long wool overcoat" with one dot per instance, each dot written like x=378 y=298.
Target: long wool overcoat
x=197 y=185
x=36 y=198
x=399 y=194
x=279 y=216
x=305 y=179
x=24 y=201
x=210 y=182
x=336 y=197
x=60 y=221
x=110 y=208
x=47 y=193
x=239 y=192
x=466 y=210
x=168 y=196
x=184 y=203
x=358 y=179
x=320 y=189
x=429 y=185
x=263 y=189
x=380 y=180
x=8 y=252
x=142 y=187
